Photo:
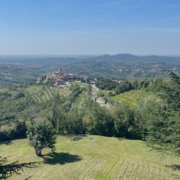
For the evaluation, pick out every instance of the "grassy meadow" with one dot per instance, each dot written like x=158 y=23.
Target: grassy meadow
x=93 y=157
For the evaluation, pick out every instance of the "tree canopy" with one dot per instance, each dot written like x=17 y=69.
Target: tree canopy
x=41 y=135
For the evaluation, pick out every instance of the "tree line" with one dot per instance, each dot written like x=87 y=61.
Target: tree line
x=107 y=84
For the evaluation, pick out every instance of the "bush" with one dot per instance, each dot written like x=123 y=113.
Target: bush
x=13 y=130
x=19 y=95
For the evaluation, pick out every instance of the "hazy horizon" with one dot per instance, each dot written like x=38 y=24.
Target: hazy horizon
x=85 y=55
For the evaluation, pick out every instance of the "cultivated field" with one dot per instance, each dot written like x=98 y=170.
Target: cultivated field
x=93 y=157
x=44 y=93
x=131 y=97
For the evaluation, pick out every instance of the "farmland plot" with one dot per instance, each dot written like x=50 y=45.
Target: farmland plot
x=131 y=97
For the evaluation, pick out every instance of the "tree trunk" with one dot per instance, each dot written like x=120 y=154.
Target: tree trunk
x=38 y=152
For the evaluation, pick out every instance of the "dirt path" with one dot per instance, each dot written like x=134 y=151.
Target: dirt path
x=94 y=94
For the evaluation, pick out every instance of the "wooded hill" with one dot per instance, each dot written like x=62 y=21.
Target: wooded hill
x=24 y=69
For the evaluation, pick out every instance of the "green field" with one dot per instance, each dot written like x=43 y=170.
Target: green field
x=81 y=84
x=131 y=97
x=45 y=93
x=93 y=157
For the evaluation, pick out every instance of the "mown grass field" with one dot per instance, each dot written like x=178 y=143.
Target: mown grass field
x=131 y=97
x=93 y=157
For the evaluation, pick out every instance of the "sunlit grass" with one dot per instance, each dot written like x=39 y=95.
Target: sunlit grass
x=93 y=157
x=131 y=97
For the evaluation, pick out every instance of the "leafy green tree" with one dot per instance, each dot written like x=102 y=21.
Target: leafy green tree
x=7 y=169
x=74 y=122
x=140 y=83
x=19 y=95
x=41 y=135
x=171 y=92
x=49 y=82
x=103 y=122
x=164 y=129
x=150 y=116
x=124 y=86
x=110 y=94
x=58 y=119
x=124 y=123
x=106 y=84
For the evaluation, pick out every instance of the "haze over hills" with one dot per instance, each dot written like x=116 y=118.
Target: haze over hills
x=106 y=57
x=22 y=69
x=130 y=57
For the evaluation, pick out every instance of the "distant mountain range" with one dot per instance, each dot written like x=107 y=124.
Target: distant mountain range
x=130 y=57
x=29 y=60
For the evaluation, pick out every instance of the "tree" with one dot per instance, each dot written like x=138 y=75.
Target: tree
x=163 y=132
x=124 y=123
x=140 y=83
x=106 y=84
x=151 y=117
x=6 y=170
x=41 y=135
x=124 y=86
x=74 y=121
x=58 y=119
x=103 y=121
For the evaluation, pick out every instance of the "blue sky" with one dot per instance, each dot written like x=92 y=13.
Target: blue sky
x=74 y=27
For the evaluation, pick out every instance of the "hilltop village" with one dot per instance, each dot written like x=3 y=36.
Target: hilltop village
x=61 y=78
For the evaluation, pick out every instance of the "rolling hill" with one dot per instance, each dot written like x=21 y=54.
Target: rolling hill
x=22 y=69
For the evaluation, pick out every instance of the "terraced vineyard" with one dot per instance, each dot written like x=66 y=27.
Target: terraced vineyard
x=93 y=157
x=42 y=94
x=131 y=97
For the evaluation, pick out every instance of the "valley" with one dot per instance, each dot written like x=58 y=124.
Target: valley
x=89 y=90
x=104 y=128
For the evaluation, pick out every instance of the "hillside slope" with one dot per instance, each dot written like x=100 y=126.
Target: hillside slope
x=93 y=157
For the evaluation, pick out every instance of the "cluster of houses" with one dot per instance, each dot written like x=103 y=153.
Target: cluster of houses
x=60 y=78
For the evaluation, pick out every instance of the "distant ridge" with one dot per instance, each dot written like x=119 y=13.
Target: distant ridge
x=129 y=58
x=124 y=57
